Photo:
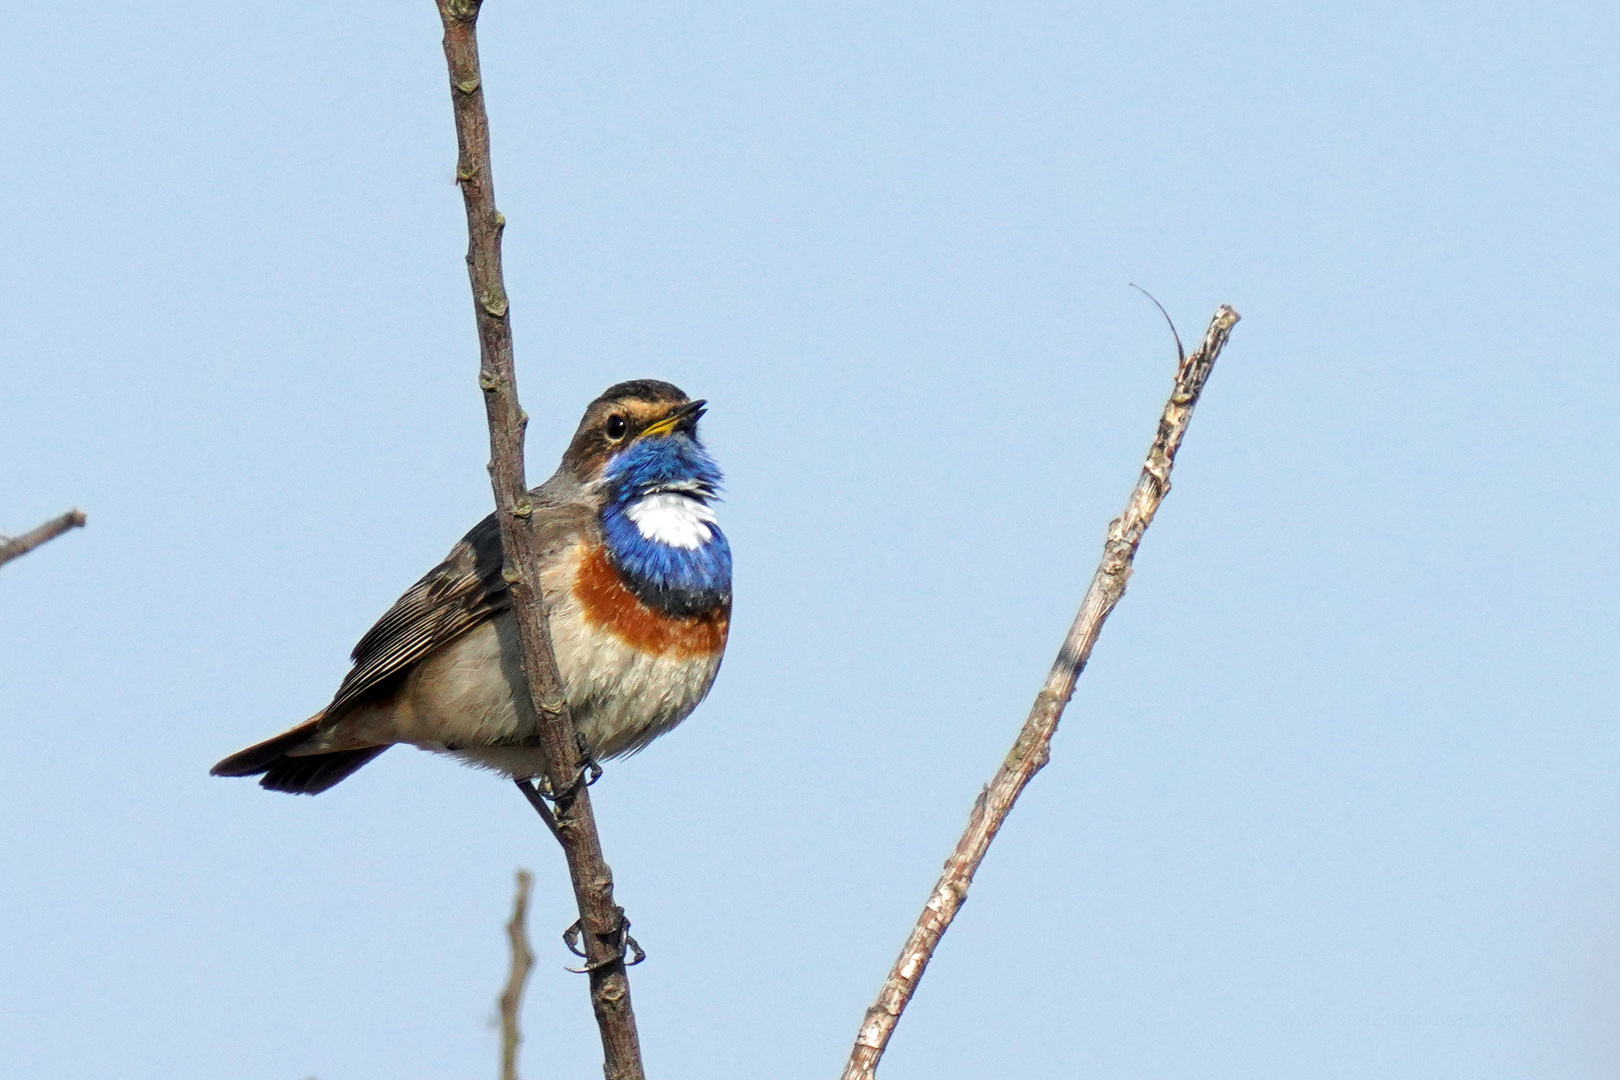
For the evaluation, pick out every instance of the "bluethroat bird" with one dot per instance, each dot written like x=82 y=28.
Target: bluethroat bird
x=636 y=578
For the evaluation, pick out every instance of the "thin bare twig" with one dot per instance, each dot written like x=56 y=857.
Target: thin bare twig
x=602 y=922
x=1032 y=749
x=28 y=541
x=517 y=933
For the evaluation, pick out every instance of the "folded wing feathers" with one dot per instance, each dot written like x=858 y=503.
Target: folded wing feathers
x=452 y=598
x=449 y=600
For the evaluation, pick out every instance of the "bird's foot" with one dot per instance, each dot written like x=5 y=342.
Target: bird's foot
x=586 y=774
x=625 y=948
x=590 y=770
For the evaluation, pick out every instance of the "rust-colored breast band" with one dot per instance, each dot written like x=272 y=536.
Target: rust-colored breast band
x=609 y=604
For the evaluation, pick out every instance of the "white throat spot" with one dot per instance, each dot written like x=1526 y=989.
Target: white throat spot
x=666 y=517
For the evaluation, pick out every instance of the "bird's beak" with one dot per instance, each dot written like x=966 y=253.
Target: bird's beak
x=684 y=418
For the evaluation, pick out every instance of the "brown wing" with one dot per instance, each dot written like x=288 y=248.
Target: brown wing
x=461 y=592
x=452 y=598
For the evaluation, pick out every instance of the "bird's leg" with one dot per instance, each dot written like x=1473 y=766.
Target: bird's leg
x=537 y=800
x=587 y=772
x=589 y=768
x=626 y=945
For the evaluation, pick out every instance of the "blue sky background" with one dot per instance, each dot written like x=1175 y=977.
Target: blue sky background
x=1338 y=795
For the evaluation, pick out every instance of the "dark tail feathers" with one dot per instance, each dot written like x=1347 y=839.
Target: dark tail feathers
x=308 y=774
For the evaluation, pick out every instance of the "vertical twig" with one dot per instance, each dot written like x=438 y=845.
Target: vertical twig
x=1029 y=754
x=517 y=933
x=602 y=922
x=28 y=541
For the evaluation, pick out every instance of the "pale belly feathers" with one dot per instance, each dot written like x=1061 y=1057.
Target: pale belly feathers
x=469 y=698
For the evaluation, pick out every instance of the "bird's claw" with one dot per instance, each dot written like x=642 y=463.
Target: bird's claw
x=629 y=952
x=590 y=770
x=586 y=774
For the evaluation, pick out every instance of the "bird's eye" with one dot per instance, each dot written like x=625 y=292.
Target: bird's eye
x=616 y=427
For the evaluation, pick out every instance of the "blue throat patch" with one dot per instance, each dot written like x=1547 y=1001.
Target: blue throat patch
x=675 y=580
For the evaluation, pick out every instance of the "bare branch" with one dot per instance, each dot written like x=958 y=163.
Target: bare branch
x=1031 y=751
x=517 y=933
x=28 y=541
x=602 y=921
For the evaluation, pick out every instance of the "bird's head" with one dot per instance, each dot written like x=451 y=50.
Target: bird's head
x=637 y=452
x=639 y=438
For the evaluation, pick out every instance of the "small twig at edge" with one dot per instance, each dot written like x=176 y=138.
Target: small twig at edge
x=1030 y=752
x=28 y=541
x=517 y=934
